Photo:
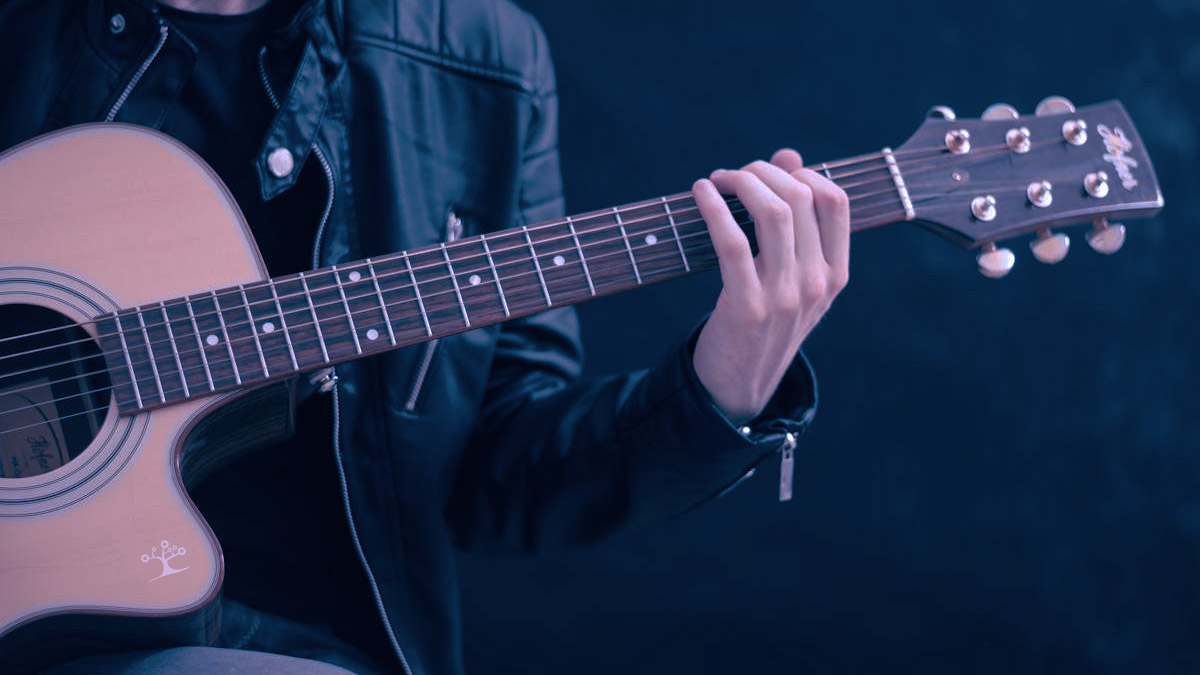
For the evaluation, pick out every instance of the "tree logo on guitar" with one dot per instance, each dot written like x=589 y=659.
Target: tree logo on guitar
x=164 y=556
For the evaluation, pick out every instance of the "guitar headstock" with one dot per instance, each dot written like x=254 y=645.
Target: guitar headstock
x=977 y=181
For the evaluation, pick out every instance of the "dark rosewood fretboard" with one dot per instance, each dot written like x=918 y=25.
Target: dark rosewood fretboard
x=201 y=344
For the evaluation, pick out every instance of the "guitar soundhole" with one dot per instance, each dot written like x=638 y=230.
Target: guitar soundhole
x=54 y=390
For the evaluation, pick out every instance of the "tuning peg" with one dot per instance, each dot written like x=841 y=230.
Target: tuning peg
x=1054 y=105
x=941 y=112
x=1049 y=247
x=1000 y=111
x=1105 y=237
x=995 y=262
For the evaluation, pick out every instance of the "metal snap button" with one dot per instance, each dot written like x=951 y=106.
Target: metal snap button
x=117 y=24
x=280 y=162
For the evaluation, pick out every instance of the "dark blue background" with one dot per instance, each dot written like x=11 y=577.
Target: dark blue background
x=1004 y=476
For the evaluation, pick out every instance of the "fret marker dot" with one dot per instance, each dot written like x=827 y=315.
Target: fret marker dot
x=212 y=340
x=474 y=279
x=268 y=327
x=355 y=276
x=372 y=334
x=651 y=240
x=559 y=260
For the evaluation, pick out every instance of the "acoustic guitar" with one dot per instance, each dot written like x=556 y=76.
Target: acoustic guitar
x=141 y=339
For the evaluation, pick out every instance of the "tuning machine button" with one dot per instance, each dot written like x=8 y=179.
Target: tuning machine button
x=941 y=112
x=1054 y=105
x=1050 y=247
x=1040 y=193
x=1075 y=132
x=1000 y=111
x=983 y=207
x=1018 y=140
x=995 y=262
x=958 y=141
x=1106 y=237
x=1096 y=184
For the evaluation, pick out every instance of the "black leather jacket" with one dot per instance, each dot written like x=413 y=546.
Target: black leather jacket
x=416 y=109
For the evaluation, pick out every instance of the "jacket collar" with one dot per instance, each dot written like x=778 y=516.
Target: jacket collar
x=300 y=62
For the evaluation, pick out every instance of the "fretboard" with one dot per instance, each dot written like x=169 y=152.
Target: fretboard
x=246 y=335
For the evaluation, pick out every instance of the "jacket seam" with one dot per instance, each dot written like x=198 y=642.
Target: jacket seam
x=508 y=78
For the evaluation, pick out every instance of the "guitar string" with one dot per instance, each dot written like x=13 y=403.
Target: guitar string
x=239 y=324
x=583 y=219
x=354 y=267
x=702 y=259
x=279 y=350
x=372 y=310
x=350 y=315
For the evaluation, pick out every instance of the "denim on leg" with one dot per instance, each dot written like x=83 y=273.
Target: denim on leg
x=250 y=642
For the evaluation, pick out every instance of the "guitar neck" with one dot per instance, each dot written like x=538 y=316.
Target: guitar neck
x=225 y=339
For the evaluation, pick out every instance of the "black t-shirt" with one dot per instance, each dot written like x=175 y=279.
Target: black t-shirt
x=277 y=512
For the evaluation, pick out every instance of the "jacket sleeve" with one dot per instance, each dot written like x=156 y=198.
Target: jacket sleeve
x=555 y=460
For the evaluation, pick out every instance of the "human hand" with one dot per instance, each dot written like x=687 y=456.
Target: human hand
x=769 y=302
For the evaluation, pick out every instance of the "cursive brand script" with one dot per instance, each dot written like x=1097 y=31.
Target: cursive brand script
x=1116 y=144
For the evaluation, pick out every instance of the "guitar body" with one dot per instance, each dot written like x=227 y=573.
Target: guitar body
x=96 y=218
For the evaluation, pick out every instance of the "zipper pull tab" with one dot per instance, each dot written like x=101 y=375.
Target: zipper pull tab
x=454 y=227
x=786 y=466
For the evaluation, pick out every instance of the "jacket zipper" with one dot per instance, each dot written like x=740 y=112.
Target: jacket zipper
x=786 y=466
x=454 y=229
x=137 y=76
x=332 y=380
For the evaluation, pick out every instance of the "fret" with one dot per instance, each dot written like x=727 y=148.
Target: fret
x=478 y=286
x=687 y=267
x=133 y=378
x=436 y=282
x=457 y=291
x=200 y=344
x=522 y=291
x=208 y=324
x=624 y=235
x=495 y=275
x=237 y=373
x=369 y=317
x=254 y=330
x=537 y=265
x=337 y=278
x=647 y=234
x=162 y=307
x=162 y=397
x=387 y=318
x=825 y=170
x=287 y=333
x=560 y=261
x=417 y=291
x=121 y=376
x=608 y=259
x=398 y=299
x=156 y=335
x=140 y=356
x=270 y=328
x=316 y=321
x=582 y=258
x=338 y=331
x=187 y=354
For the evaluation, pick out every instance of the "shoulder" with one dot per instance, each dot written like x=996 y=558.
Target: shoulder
x=490 y=38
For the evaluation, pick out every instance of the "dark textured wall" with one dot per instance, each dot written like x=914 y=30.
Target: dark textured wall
x=1004 y=476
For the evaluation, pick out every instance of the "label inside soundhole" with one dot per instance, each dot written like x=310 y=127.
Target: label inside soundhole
x=54 y=390
x=36 y=445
